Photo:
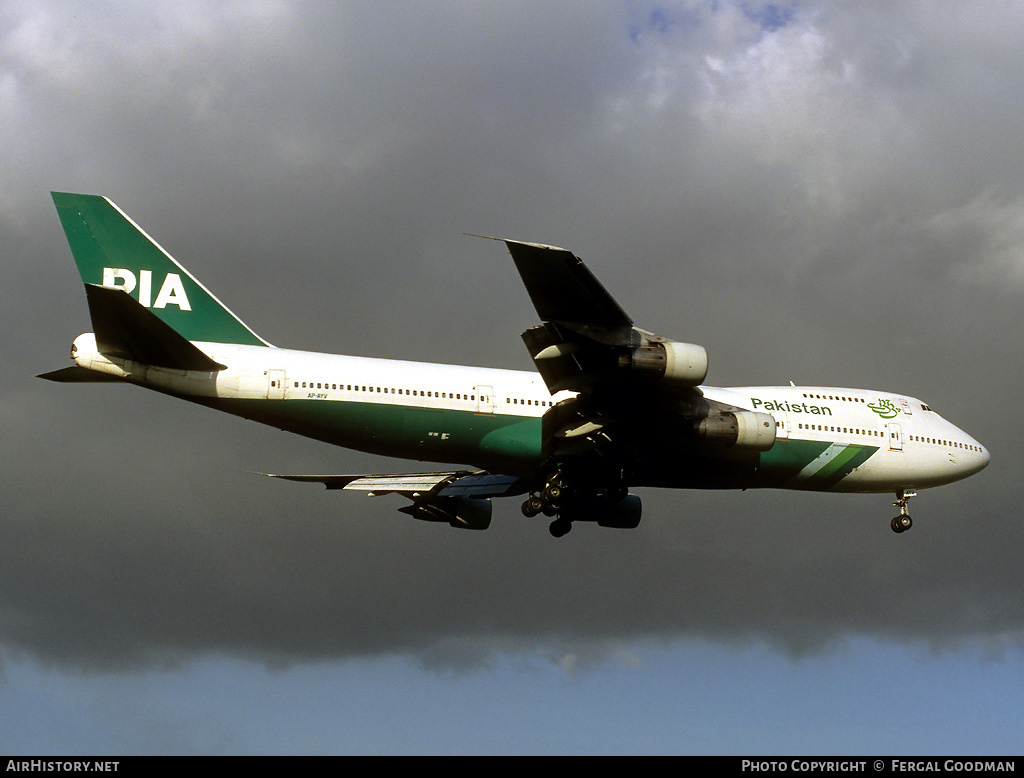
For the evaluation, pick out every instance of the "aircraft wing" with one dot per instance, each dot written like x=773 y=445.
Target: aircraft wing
x=457 y=483
x=587 y=342
x=625 y=379
x=460 y=498
x=564 y=290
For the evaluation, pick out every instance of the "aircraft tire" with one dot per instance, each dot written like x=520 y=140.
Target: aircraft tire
x=560 y=528
x=901 y=523
x=552 y=493
x=532 y=506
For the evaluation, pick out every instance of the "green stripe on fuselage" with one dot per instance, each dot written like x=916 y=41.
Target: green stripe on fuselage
x=841 y=465
x=506 y=443
x=510 y=444
x=787 y=458
x=791 y=463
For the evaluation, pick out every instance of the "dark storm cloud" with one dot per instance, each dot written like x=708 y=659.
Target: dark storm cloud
x=818 y=195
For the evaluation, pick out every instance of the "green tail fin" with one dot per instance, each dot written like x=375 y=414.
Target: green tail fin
x=111 y=250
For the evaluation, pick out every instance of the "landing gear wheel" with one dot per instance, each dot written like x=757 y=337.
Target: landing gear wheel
x=560 y=527
x=901 y=523
x=532 y=506
x=552 y=494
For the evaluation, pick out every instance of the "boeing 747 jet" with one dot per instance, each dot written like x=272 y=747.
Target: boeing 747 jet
x=610 y=407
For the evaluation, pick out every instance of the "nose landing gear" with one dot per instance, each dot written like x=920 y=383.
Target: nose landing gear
x=903 y=522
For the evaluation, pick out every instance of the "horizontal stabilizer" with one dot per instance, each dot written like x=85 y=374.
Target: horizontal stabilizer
x=79 y=375
x=127 y=330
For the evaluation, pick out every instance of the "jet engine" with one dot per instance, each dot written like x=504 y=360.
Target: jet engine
x=669 y=360
x=604 y=510
x=624 y=514
x=459 y=512
x=748 y=430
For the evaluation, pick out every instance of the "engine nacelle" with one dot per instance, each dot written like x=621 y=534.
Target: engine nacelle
x=624 y=514
x=669 y=360
x=459 y=512
x=748 y=430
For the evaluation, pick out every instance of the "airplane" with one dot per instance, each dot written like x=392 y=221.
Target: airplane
x=611 y=407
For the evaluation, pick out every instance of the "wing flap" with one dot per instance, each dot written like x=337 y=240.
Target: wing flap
x=462 y=483
x=411 y=483
x=483 y=485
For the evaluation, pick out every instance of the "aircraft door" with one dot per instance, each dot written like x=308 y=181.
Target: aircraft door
x=485 y=399
x=895 y=433
x=781 y=425
x=276 y=380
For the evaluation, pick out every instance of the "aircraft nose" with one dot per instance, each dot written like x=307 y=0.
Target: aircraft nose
x=980 y=460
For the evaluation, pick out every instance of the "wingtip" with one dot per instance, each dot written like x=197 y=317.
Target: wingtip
x=511 y=242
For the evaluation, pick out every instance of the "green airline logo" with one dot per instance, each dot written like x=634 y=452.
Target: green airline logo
x=884 y=408
x=781 y=405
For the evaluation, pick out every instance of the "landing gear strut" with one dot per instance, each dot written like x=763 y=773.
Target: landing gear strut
x=903 y=522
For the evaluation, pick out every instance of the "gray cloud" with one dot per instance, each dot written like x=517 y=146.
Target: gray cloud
x=828 y=195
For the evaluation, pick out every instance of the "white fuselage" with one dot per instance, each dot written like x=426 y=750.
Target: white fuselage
x=851 y=440
x=917 y=448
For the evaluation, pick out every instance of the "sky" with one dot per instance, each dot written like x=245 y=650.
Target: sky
x=824 y=193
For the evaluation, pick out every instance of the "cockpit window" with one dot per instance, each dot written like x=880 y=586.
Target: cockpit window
x=924 y=407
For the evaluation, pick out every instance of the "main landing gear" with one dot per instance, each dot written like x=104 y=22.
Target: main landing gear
x=903 y=522
x=612 y=507
x=549 y=502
